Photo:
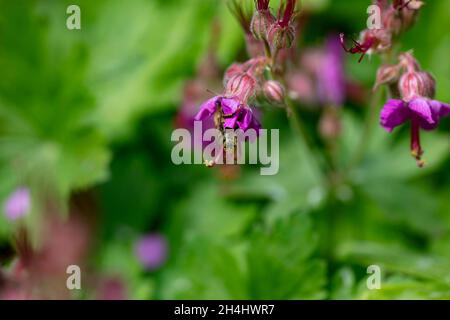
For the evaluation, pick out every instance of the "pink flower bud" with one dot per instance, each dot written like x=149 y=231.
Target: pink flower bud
x=408 y=62
x=280 y=37
x=415 y=4
x=415 y=84
x=242 y=86
x=281 y=33
x=233 y=70
x=330 y=126
x=274 y=91
x=387 y=74
x=261 y=22
x=407 y=4
x=392 y=21
x=406 y=11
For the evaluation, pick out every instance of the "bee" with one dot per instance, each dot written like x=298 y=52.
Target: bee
x=229 y=140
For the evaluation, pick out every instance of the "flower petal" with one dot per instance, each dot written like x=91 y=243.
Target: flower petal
x=442 y=109
x=438 y=111
x=393 y=114
x=231 y=122
x=207 y=109
x=247 y=121
x=423 y=111
x=445 y=110
x=230 y=105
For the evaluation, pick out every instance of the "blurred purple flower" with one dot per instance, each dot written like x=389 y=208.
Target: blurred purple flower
x=18 y=204
x=151 y=250
x=331 y=74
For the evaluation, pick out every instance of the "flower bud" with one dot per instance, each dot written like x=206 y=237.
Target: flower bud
x=417 y=84
x=330 y=126
x=280 y=37
x=233 y=70
x=408 y=62
x=387 y=74
x=407 y=4
x=392 y=21
x=274 y=91
x=242 y=86
x=261 y=22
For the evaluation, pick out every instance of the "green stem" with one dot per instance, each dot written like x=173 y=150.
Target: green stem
x=267 y=49
x=367 y=132
x=371 y=114
x=298 y=126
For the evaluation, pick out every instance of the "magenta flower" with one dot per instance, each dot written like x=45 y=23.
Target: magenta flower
x=151 y=251
x=423 y=113
x=18 y=204
x=236 y=115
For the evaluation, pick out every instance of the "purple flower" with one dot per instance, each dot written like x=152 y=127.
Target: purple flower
x=236 y=115
x=422 y=112
x=151 y=250
x=331 y=75
x=18 y=204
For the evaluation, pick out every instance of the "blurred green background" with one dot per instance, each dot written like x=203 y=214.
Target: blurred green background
x=89 y=113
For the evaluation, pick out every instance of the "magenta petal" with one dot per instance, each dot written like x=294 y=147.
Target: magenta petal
x=445 y=110
x=231 y=123
x=393 y=114
x=247 y=121
x=229 y=106
x=438 y=111
x=254 y=124
x=207 y=109
x=442 y=109
x=423 y=111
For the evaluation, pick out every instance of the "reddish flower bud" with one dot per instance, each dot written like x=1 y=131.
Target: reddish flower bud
x=242 y=86
x=280 y=37
x=285 y=18
x=406 y=12
x=274 y=91
x=392 y=21
x=417 y=84
x=233 y=70
x=261 y=22
x=387 y=74
x=281 y=34
x=330 y=126
x=408 y=62
x=407 y=4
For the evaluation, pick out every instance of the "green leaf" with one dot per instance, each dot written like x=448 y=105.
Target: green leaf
x=398 y=259
x=281 y=263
